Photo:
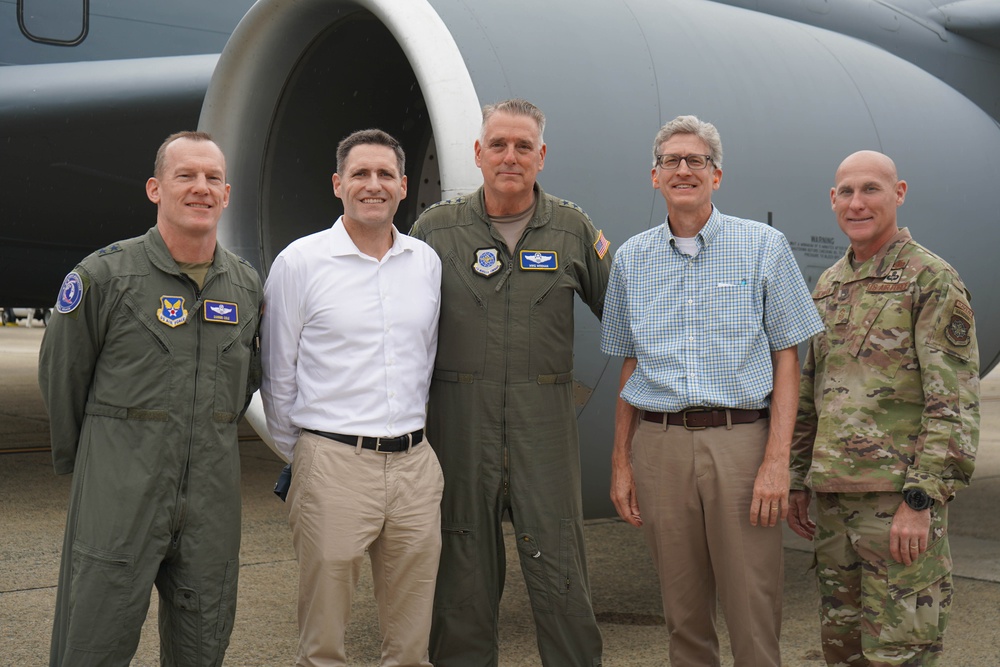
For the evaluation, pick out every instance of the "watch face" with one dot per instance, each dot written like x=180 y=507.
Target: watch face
x=917 y=499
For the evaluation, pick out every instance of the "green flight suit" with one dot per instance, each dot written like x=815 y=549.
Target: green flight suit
x=144 y=392
x=502 y=420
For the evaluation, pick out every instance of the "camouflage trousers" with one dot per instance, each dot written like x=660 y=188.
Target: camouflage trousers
x=873 y=609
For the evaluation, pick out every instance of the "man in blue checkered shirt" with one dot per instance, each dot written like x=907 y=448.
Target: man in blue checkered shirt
x=707 y=311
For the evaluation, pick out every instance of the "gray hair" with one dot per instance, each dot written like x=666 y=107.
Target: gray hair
x=691 y=125
x=160 y=162
x=516 y=107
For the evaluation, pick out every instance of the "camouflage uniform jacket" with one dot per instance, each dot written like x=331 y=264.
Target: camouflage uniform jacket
x=889 y=394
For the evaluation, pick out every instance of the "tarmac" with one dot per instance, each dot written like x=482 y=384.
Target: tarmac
x=625 y=590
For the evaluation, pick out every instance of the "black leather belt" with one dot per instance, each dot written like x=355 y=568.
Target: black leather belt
x=384 y=445
x=695 y=419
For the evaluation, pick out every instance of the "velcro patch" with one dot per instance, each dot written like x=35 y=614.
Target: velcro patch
x=539 y=260
x=601 y=245
x=959 y=328
x=888 y=287
x=222 y=311
x=70 y=294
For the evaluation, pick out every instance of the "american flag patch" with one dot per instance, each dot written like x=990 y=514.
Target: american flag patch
x=601 y=245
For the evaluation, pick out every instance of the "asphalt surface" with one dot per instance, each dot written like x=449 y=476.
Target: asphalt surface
x=625 y=591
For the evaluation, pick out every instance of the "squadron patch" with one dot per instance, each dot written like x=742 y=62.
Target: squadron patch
x=601 y=245
x=70 y=294
x=487 y=262
x=958 y=331
x=222 y=311
x=539 y=260
x=172 y=311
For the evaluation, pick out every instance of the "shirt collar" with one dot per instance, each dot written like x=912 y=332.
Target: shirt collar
x=879 y=264
x=341 y=244
x=708 y=232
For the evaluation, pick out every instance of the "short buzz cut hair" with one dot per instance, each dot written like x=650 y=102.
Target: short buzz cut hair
x=370 y=136
x=691 y=125
x=515 y=106
x=161 y=153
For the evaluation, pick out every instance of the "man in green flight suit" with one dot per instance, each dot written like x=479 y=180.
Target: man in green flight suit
x=501 y=412
x=887 y=429
x=147 y=364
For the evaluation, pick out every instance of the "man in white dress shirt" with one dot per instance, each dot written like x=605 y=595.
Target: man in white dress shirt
x=348 y=340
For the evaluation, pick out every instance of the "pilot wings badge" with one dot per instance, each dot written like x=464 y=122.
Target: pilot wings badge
x=539 y=260
x=172 y=311
x=221 y=311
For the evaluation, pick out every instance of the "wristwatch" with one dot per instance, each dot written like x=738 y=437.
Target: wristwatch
x=917 y=499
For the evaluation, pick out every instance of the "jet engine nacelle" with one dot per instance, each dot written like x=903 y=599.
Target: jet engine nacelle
x=790 y=101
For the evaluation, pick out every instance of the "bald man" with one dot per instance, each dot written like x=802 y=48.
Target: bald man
x=887 y=429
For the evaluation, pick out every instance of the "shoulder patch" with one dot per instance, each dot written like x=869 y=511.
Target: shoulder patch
x=602 y=244
x=959 y=327
x=568 y=204
x=70 y=294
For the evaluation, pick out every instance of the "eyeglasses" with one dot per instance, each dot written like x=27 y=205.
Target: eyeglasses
x=671 y=161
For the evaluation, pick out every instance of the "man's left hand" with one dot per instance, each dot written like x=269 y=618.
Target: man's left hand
x=909 y=533
x=770 y=494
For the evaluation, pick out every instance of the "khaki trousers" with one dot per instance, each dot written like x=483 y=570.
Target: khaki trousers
x=694 y=490
x=343 y=501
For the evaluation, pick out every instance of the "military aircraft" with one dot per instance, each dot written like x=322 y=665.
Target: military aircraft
x=793 y=86
x=88 y=90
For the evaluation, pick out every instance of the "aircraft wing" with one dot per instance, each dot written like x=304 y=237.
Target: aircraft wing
x=77 y=142
x=975 y=19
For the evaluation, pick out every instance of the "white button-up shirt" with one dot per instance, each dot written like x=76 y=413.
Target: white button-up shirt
x=348 y=341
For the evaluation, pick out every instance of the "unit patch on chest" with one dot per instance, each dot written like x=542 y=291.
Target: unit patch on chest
x=539 y=260
x=222 y=311
x=172 y=311
x=487 y=262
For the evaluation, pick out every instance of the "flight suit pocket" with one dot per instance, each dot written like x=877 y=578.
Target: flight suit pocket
x=575 y=597
x=533 y=565
x=456 y=587
x=462 y=339
x=227 y=602
x=234 y=359
x=102 y=586
x=919 y=597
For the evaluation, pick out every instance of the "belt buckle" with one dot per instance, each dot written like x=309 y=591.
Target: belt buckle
x=378 y=446
x=684 y=420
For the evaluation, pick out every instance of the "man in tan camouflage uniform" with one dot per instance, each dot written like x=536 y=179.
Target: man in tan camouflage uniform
x=887 y=429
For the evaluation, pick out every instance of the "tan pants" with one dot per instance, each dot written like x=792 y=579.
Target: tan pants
x=345 y=500
x=694 y=490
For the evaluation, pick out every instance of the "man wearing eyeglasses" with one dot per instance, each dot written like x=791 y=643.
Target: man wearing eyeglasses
x=707 y=310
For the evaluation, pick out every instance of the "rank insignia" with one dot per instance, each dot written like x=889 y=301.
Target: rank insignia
x=958 y=330
x=539 y=260
x=172 y=311
x=601 y=245
x=487 y=262
x=70 y=294
x=222 y=311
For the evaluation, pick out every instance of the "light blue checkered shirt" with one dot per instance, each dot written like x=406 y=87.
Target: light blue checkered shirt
x=703 y=327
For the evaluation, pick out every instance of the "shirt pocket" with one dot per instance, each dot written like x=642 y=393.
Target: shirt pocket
x=883 y=334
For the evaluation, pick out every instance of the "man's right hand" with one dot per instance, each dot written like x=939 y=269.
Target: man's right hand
x=623 y=491
x=798 y=514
